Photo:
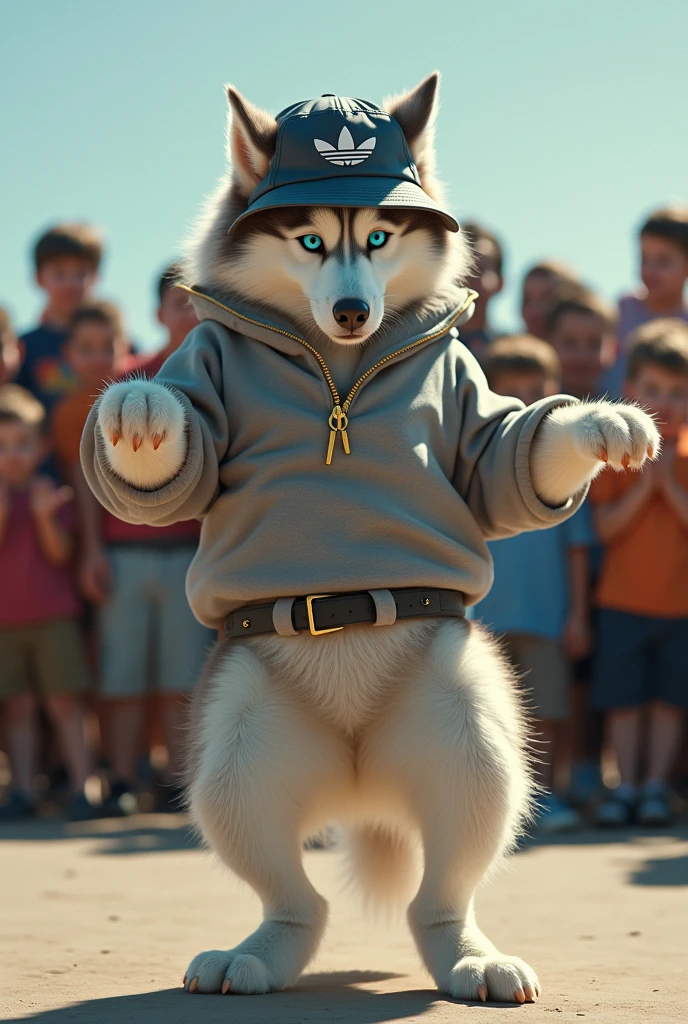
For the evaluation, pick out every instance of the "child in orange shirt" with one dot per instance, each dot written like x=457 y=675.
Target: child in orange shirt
x=642 y=595
x=134 y=573
x=93 y=344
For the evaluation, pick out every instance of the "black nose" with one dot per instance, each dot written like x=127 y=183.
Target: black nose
x=351 y=313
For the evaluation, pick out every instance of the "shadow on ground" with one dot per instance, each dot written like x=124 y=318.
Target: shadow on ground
x=333 y=997
x=654 y=871
x=596 y=836
x=155 y=833
x=165 y=833
x=661 y=871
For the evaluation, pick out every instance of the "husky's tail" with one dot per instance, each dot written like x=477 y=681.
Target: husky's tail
x=383 y=863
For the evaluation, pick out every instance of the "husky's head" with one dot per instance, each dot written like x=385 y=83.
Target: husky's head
x=347 y=273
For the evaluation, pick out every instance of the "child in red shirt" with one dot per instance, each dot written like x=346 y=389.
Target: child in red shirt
x=40 y=641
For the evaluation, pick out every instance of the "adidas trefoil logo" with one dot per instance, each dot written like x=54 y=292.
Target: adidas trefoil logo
x=347 y=153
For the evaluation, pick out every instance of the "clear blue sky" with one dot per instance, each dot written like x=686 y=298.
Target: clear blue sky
x=562 y=121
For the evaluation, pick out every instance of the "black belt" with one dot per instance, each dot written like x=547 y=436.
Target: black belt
x=321 y=613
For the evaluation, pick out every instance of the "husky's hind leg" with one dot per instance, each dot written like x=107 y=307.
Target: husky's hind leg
x=453 y=747
x=261 y=773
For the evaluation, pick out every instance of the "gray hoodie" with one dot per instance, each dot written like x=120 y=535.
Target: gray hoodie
x=438 y=464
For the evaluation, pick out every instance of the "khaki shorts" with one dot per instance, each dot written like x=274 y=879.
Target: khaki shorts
x=546 y=674
x=47 y=658
x=148 y=633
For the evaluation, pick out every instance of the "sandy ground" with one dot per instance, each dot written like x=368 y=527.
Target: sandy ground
x=99 y=922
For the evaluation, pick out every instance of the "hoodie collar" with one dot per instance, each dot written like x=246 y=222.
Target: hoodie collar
x=239 y=317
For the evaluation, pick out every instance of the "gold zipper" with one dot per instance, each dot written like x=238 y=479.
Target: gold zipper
x=338 y=419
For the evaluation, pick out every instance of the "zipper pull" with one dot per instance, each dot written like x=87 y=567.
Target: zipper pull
x=338 y=422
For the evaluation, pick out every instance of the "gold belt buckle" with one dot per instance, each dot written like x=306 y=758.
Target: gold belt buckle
x=311 y=622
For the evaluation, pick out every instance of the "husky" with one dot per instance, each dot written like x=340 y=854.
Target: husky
x=408 y=732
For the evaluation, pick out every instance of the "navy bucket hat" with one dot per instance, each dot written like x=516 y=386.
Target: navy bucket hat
x=339 y=151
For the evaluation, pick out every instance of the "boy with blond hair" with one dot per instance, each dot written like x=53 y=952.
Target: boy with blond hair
x=539 y=599
x=41 y=652
x=642 y=595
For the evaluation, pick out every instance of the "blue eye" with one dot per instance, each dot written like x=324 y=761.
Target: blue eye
x=376 y=239
x=311 y=242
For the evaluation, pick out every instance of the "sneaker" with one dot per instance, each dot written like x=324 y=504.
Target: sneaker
x=17 y=807
x=654 y=805
x=617 y=808
x=80 y=808
x=585 y=784
x=120 y=802
x=555 y=815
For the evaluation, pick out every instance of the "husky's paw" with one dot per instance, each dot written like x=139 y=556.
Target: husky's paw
x=622 y=435
x=227 y=971
x=574 y=440
x=503 y=979
x=143 y=426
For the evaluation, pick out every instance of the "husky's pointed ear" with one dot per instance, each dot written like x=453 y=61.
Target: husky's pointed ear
x=416 y=111
x=251 y=140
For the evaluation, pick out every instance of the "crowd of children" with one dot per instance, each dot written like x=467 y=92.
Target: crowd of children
x=83 y=595
x=94 y=623
x=594 y=613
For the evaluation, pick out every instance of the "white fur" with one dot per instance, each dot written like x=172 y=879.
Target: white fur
x=566 y=452
x=134 y=411
x=416 y=111
x=406 y=273
x=410 y=736
x=304 y=287
x=295 y=733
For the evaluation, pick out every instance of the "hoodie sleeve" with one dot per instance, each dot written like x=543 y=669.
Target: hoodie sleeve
x=194 y=374
x=492 y=472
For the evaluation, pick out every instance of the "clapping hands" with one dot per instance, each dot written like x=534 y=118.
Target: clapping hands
x=46 y=498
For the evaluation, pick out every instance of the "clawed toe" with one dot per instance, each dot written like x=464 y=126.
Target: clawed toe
x=495 y=978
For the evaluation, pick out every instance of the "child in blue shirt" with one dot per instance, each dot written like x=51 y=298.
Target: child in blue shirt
x=539 y=600
x=66 y=259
